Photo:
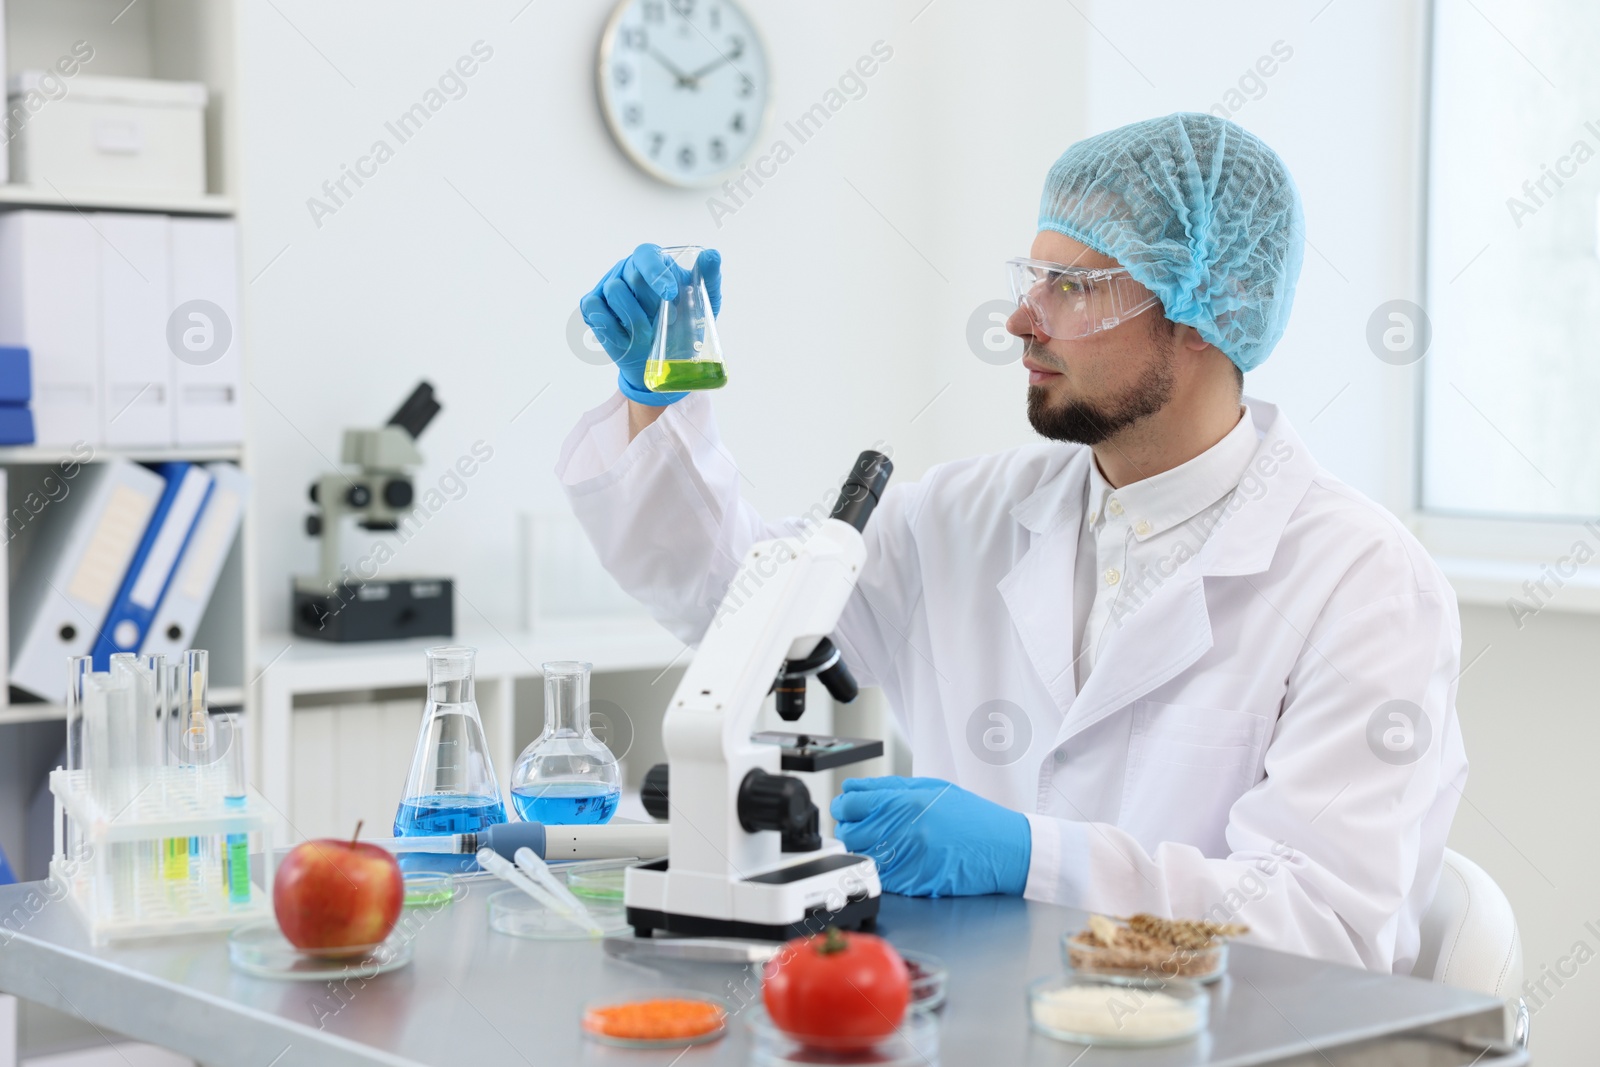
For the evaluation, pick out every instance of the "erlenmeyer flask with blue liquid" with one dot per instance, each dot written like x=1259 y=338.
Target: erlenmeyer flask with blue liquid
x=452 y=787
x=568 y=775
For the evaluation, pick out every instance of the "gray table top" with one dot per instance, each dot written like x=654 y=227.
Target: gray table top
x=472 y=996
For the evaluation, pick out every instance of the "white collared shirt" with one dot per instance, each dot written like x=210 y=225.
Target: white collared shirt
x=1135 y=537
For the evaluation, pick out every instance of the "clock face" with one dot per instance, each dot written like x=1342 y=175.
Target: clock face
x=684 y=87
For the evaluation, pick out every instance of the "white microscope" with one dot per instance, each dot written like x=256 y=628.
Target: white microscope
x=744 y=856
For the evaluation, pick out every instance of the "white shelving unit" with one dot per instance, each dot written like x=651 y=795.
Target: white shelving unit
x=23 y=455
x=15 y=714
x=15 y=196
x=180 y=40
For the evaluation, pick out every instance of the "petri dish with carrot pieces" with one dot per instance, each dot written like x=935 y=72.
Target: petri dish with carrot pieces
x=656 y=1020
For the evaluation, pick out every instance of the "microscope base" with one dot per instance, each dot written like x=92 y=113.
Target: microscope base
x=769 y=907
x=378 y=610
x=859 y=915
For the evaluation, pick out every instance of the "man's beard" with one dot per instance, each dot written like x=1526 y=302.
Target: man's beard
x=1091 y=423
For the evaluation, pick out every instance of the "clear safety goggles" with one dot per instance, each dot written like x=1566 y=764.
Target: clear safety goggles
x=1071 y=302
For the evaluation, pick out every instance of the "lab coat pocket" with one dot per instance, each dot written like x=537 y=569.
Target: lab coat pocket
x=1186 y=767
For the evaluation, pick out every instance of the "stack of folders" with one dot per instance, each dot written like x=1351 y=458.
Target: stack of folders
x=126 y=561
x=16 y=390
x=130 y=323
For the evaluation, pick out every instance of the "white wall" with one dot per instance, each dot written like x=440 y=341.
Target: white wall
x=1529 y=714
x=833 y=323
x=1342 y=111
x=1005 y=95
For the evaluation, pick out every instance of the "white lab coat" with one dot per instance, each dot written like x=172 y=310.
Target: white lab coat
x=1219 y=760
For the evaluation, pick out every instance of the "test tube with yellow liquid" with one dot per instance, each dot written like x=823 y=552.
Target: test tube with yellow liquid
x=686 y=354
x=174 y=851
x=193 y=747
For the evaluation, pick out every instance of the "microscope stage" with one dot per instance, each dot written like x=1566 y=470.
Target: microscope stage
x=819 y=752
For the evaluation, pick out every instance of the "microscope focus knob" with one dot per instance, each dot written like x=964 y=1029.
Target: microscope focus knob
x=398 y=493
x=779 y=802
x=358 y=496
x=654 y=791
x=314 y=492
x=314 y=525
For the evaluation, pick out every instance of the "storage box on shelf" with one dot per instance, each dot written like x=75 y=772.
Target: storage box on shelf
x=126 y=134
x=131 y=102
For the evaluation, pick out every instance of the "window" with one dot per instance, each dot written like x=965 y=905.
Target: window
x=1511 y=395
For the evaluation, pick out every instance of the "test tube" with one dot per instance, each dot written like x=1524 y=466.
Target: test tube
x=170 y=736
x=236 y=862
x=111 y=749
x=174 y=850
x=111 y=733
x=153 y=675
x=193 y=707
x=145 y=678
x=78 y=669
x=199 y=740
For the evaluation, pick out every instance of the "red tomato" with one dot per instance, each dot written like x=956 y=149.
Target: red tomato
x=838 y=991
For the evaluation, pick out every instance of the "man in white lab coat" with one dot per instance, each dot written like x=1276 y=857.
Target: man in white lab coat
x=1161 y=661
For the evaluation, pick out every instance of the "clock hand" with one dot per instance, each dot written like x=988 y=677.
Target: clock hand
x=696 y=75
x=685 y=80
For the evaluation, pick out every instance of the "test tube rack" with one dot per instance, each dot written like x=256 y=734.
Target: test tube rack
x=155 y=864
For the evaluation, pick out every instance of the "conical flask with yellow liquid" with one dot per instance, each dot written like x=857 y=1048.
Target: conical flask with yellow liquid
x=687 y=354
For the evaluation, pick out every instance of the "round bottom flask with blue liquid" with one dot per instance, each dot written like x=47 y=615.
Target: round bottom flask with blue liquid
x=452 y=788
x=568 y=775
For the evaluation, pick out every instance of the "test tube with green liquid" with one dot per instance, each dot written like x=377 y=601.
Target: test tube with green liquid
x=236 y=853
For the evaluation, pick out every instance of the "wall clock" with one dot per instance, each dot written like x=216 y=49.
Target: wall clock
x=684 y=87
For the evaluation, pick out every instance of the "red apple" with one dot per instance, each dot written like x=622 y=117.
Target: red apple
x=332 y=894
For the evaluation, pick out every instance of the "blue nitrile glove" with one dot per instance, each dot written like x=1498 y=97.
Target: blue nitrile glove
x=934 y=839
x=622 y=310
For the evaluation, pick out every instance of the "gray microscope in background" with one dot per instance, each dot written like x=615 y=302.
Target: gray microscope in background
x=337 y=605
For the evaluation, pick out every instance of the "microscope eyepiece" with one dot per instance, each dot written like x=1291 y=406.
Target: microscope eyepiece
x=861 y=490
x=419 y=409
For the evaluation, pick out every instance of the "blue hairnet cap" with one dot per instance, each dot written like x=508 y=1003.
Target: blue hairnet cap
x=1200 y=211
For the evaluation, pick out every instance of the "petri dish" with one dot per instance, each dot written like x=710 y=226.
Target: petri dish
x=260 y=949
x=1198 y=965
x=914 y=1043
x=928 y=978
x=593 y=1019
x=511 y=911
x=426 y=889
x=597 y=884
x=1089 y=1009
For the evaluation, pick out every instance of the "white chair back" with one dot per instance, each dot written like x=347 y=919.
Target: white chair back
x=1469 y=935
